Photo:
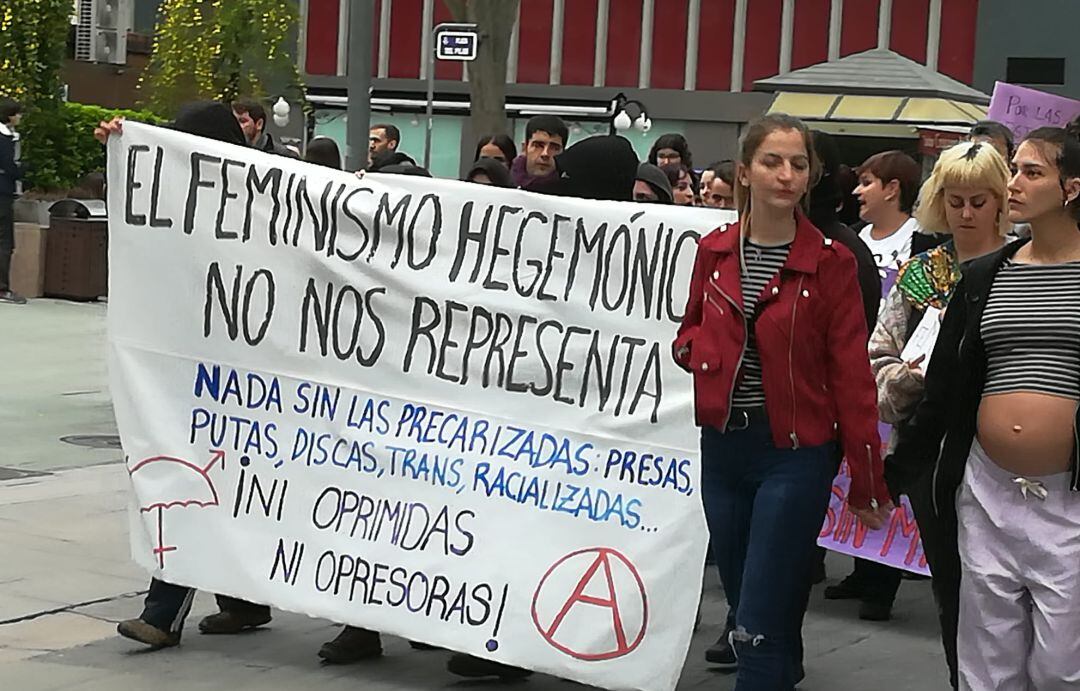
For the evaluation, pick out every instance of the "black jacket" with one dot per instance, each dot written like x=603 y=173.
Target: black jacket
x=10 y=171
x=266 y=143
x=869 y=279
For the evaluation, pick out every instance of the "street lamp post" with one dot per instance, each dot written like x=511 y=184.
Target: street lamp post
x=622 y=118
x=358 y=113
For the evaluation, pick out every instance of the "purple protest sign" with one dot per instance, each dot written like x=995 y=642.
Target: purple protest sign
x=897 y=544
x=1022 y=109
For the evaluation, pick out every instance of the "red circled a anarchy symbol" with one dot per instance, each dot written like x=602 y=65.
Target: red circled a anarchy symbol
x=607 y=559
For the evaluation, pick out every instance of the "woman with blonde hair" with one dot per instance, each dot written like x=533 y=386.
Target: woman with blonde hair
x=965 y=198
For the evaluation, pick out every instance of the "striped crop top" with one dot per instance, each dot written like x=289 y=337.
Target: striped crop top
x=1031 y=330
x=762 y=263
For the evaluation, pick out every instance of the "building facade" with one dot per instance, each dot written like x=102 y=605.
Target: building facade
x=694 y=63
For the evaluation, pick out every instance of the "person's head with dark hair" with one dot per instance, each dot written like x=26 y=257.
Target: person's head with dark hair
x=847 y=181
x=652 y=185
x=10 y=112
x=994 y=133
x=323 y=151
x=212 y=120
x=671 y=149
x=252 y=117
x=382 y=138
x=682 y=183
x=601 y=167
x=499 y=147
x=1046 y=187
x=546 y=137
x=826 y=196
x=489 y=171
x=719 y=193
x=888 y=187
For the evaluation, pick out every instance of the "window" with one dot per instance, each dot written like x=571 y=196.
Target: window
x=1049 y=71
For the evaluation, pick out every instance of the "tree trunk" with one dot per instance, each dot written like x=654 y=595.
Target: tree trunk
x=487 y=74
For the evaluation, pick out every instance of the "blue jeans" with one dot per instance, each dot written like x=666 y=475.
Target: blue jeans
x=764 y=507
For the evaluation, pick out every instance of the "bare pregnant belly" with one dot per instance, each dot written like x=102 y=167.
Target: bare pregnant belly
x=1028 y=433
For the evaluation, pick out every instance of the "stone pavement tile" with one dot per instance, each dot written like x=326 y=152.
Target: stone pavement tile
x=54 y=632
x=37 y=675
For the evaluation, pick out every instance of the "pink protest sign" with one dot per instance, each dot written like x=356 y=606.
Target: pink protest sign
x=897 y=544
x=1022 y=109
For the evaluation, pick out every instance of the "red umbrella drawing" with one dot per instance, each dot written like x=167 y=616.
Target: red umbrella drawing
x=175 y=482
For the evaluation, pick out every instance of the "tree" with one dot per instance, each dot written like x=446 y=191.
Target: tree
x=487 y=74
x=33 y=37
x=222 y=49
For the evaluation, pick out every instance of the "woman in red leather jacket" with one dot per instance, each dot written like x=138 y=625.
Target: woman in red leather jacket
x=775 y=337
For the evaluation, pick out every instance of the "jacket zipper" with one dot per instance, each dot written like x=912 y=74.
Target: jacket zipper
x=790 y=358
x=742 y=353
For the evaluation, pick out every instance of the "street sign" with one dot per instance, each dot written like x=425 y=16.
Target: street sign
x=457 y=45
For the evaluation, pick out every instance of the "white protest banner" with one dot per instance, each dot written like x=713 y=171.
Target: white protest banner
x=429 y=408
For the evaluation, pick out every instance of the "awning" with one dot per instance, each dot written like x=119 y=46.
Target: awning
x=876 y=116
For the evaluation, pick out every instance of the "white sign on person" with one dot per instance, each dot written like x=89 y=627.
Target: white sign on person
x=429 y=408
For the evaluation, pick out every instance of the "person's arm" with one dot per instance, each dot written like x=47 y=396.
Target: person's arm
x=854 y=393
x=8 y=167
x=918 y=441
x=899 y=385
x=691 y=321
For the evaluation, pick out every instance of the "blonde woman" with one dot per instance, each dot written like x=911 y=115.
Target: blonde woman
x=965 y=198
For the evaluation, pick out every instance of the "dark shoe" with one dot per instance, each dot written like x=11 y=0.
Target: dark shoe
x=875 y=611
x=475 y=667
x=12 y=297
x=721 y=654
x=139 y=630
x=847 y=589
x=352 y=645
x=423 y=647
x=233 y=622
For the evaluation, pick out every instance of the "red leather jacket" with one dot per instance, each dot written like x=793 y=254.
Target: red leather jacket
x=811 y=335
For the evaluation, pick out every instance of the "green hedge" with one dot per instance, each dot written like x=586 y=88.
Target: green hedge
x=59 y=148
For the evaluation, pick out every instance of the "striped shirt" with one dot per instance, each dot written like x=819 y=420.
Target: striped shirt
x=1031 y=330
x=762 y=264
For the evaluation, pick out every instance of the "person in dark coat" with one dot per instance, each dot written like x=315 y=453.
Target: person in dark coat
x=652 y=185
x=252 y=118
x=323 y=151
x=489 y=171
x=10 y=172
x=603 y=167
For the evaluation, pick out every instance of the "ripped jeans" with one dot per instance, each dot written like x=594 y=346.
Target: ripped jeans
x=764 y=507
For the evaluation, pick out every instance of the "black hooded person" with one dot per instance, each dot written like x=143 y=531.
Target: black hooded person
x=603 y=167
x=488 y=171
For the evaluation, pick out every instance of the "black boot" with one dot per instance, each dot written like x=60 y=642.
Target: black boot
x=721 y=654
x=475 y=667
x=352 y=645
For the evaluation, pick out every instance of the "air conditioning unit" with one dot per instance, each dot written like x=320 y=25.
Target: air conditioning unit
x=101 y=28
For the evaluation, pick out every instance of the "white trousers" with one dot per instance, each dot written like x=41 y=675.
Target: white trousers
x=1019 y=541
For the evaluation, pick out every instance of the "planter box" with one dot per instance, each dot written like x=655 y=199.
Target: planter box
x=34 y=211
x=28 y=262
